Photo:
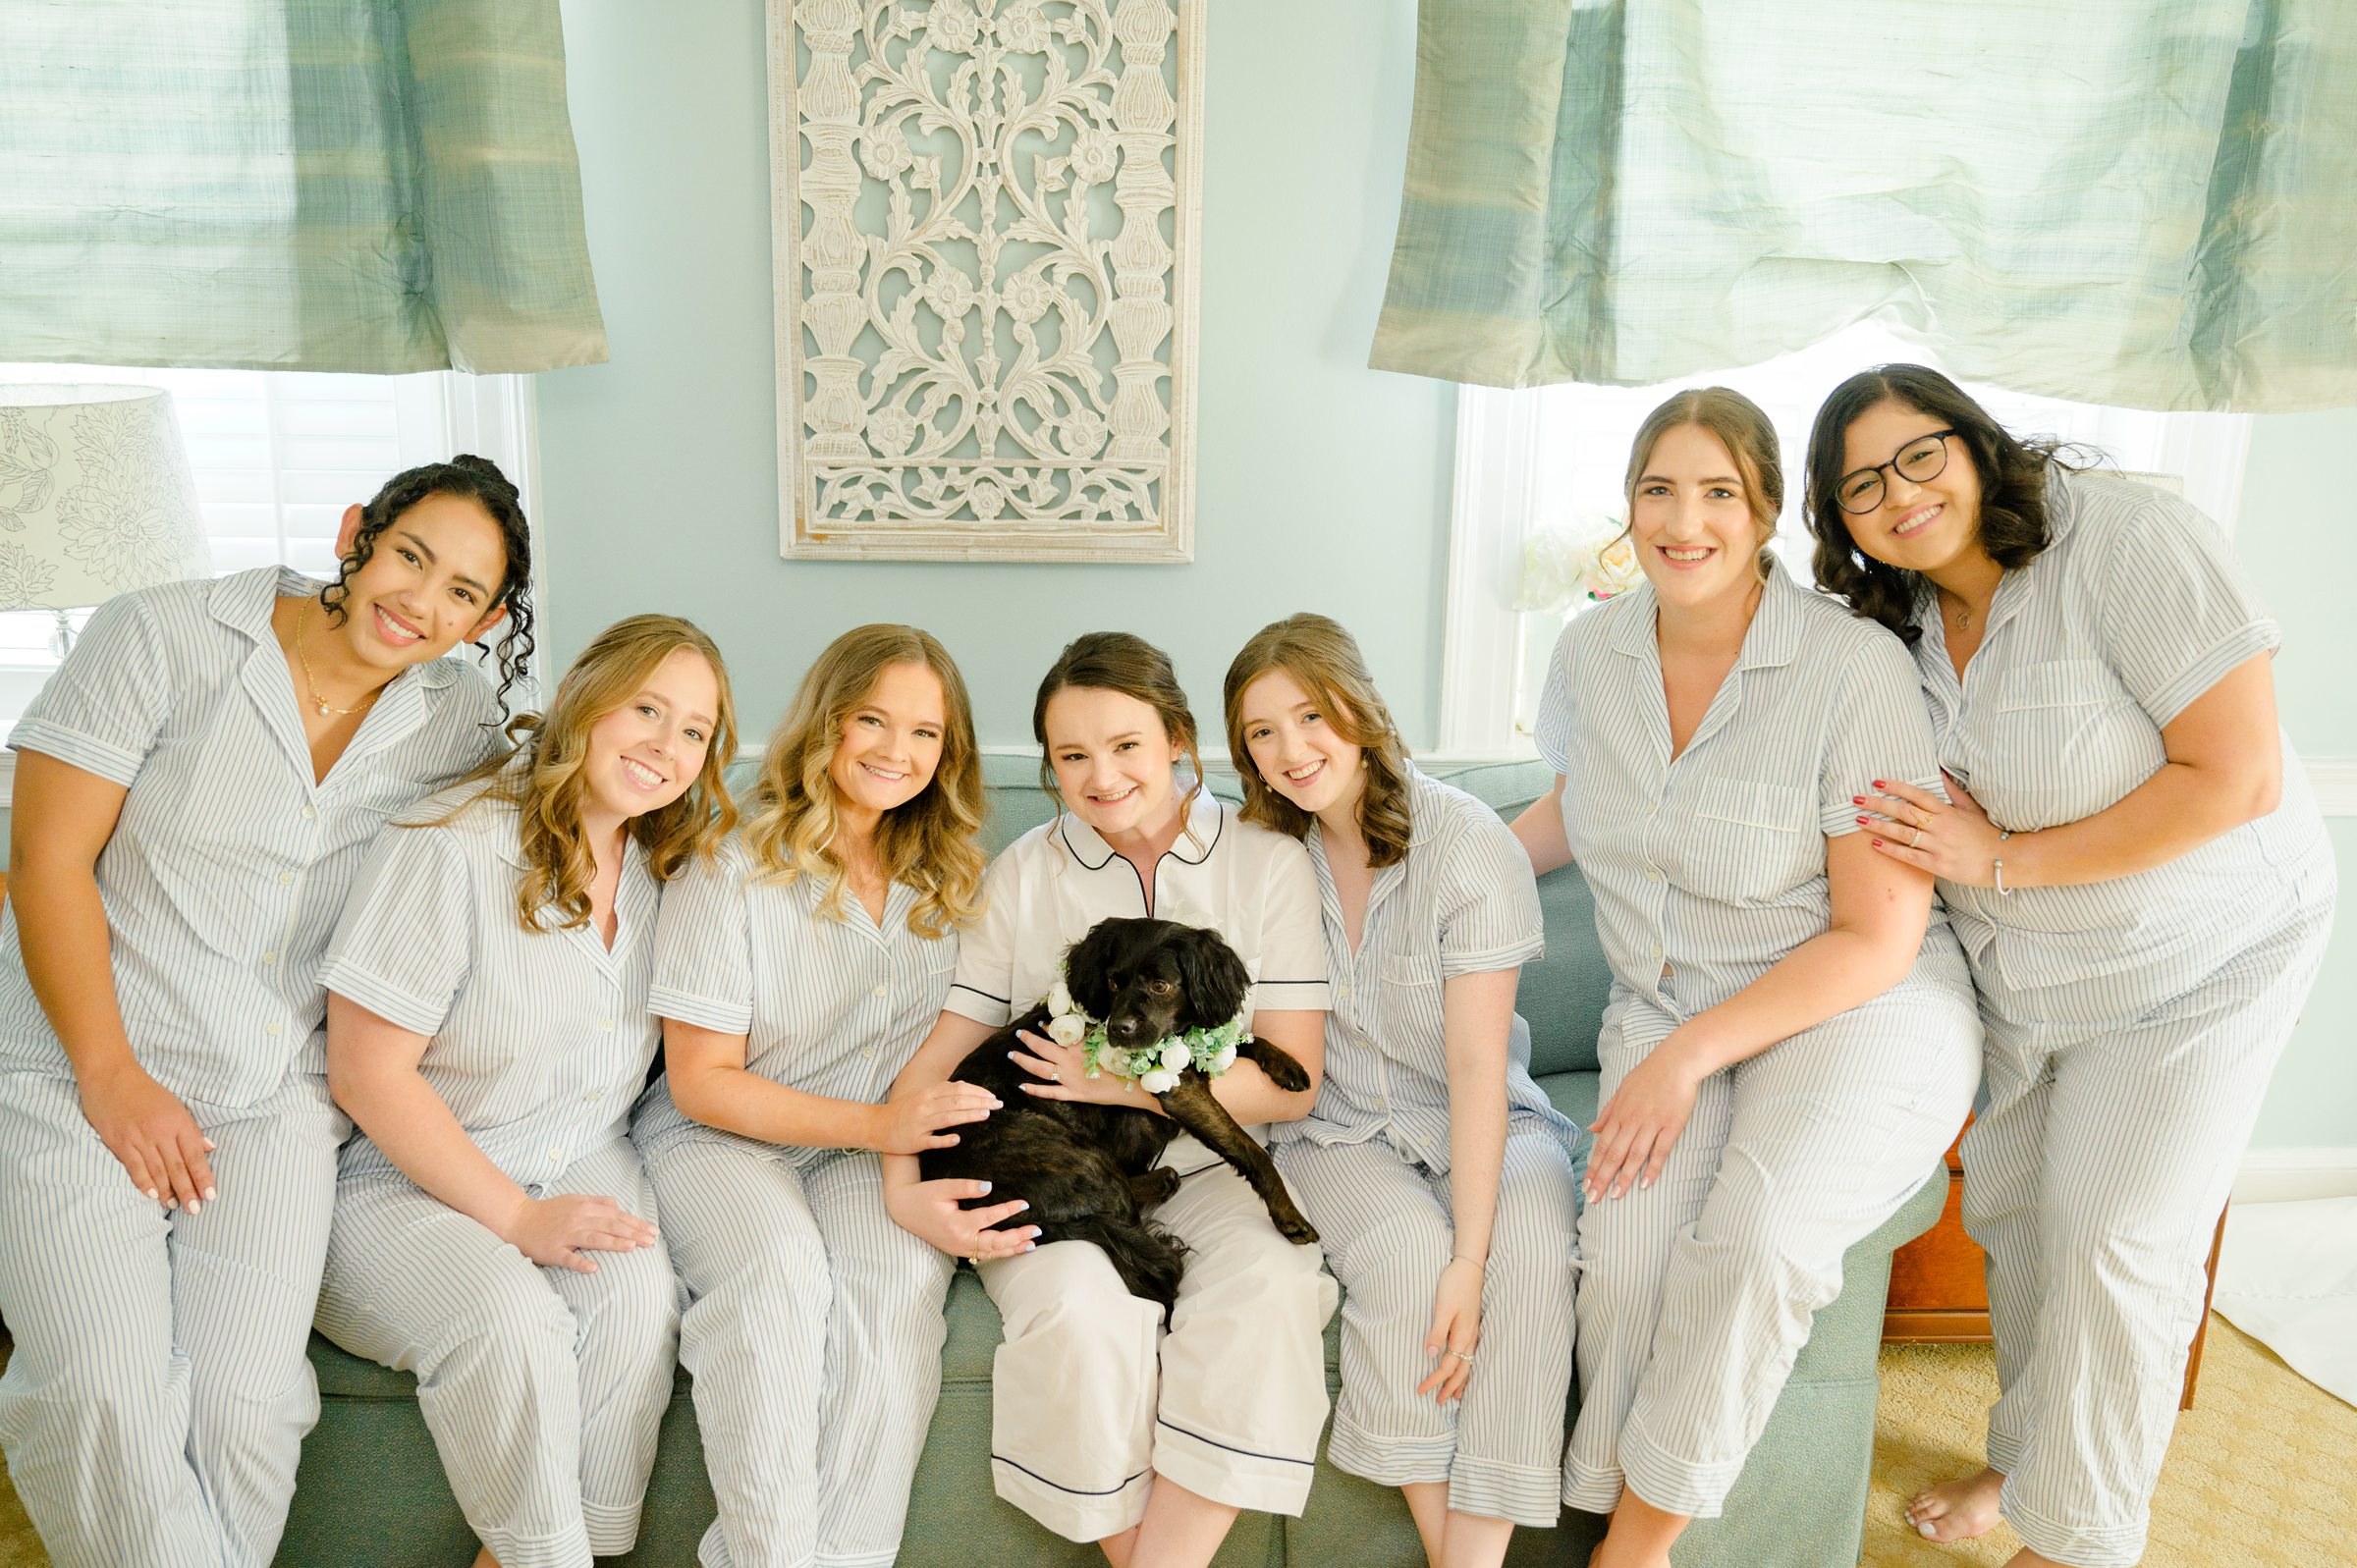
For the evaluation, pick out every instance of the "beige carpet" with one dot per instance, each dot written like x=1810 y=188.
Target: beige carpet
x=2263 y=1473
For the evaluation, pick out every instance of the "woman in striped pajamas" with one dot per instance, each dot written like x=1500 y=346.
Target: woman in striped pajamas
x=1441 y=1180
x=195 y=789
x=794 y=975
x=1791 y=1041
x=2129 y=851
x=1104 y=1427
x=487 y=1029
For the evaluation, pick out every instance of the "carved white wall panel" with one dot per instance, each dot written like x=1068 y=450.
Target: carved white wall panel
x=985 y=215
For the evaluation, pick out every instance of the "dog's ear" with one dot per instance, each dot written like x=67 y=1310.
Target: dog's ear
x=1213 y=977
x=1088 y=966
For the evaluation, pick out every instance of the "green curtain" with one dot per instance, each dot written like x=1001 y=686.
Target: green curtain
x=2150 y=205
x=375 y=185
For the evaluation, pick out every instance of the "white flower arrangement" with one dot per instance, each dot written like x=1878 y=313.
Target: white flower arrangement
x=1155 y=1067
x=1560 y=567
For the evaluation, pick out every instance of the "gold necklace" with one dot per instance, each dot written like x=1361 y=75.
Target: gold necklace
x=326 y=709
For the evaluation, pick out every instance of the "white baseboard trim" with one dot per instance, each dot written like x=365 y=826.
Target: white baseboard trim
x=2287 y=1175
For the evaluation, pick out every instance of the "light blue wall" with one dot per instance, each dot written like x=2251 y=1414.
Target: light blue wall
x=659 y=471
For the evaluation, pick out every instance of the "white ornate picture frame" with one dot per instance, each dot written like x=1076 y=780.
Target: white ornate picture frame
x=984 y=219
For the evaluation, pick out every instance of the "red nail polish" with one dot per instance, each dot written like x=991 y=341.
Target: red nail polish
x=1878 y=843
x=1863 y=823
x=1858 y=800
x=1879 y=785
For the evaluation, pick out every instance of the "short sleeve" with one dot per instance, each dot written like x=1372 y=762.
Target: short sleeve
x=1291 y=975
x=1488 y=901
x=704 y=946
x=2174 y=611
x=984 y=990
x=1879 y=729
x=103 y=709
x=404 y=943
x=1553 y=730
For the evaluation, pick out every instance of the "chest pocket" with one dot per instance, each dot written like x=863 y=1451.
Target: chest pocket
x=1411 y=974
x=2062 y=740
x=1750 y=841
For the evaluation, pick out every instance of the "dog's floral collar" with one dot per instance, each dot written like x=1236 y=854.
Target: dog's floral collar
x=1155 y=1068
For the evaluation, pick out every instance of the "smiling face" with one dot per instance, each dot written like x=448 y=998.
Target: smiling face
x=1690 y=516
x=1917 y=526
x=432 y=578
x=1290 y=737
x=1112 y=759
x=645 y=754
x=890 y=743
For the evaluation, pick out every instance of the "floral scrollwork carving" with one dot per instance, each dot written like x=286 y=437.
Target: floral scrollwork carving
x=985 y=221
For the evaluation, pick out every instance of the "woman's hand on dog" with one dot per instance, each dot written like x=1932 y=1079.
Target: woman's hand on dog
x=1063 y=1075
x=912 y=1125
x=1456 y=1331
x=931 y=1211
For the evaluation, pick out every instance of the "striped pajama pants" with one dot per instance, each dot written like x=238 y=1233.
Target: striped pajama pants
x=543 y=1389
x=1091 y=1400
x=1384 y=1223
x=1696 y=1294
x=2093 y=1179
x=813 y=1331
x=156 y=1402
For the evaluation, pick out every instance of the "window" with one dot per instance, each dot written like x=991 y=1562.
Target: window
x=277 y=456
x=1553 y=457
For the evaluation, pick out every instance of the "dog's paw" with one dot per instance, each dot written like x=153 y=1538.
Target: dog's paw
x=1296 y=1230
x=1158 y=1185
x=1282 y=1070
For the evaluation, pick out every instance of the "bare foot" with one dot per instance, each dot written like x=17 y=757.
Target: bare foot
x=1957 y=1510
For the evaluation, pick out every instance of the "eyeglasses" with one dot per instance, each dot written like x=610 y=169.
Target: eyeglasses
x=1919 y=462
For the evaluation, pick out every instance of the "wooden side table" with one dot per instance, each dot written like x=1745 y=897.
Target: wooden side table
x=1940 y=1289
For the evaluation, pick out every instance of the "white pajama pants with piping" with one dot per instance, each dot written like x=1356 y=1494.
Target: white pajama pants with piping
x=1697 y=1293
x=157 y=1398
x=543 y=1389
x=1092 y=1400
x=2094 y=1180
x=813 y=1331
x=1386 y=1227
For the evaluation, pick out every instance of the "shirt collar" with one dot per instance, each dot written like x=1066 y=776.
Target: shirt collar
x=1773 y=638
x=1206 y=819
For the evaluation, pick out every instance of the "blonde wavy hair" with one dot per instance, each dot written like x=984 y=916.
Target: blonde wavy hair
x=931 y=843
x=541 y=778
x=1325 y=661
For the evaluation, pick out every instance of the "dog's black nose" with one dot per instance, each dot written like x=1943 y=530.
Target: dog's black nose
x=1124 y=1032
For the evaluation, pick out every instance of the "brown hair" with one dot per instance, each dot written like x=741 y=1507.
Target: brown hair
x=541 y=778
x=1120 y=660
x=2013 y=525
x=1326 y=661
x=1748 y=435
x=928 y=842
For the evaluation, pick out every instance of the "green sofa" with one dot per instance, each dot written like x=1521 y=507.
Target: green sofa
x=370 y=1493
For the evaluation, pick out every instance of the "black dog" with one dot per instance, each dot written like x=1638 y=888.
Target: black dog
x=1088 y=1171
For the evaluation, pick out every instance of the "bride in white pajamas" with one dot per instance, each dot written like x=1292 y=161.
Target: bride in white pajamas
x=487 y=1029
x=794 y=975
x=1105 y=1427
x=2142 y=883
x=1439 y=1176
x=195 y=787
x=1791 y=1041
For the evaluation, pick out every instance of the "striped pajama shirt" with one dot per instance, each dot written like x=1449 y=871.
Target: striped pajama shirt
x=1697 y=1293
x=814 y=1324
x=1371 y=1168
x=2132 y=1024
x=543 y=1389
x=1092 y=1397
x=156 y=1401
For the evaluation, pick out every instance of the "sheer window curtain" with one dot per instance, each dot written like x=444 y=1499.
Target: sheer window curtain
x=2149 y=205
x=382 y=186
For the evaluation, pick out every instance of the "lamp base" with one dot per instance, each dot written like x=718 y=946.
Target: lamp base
x=61 y=635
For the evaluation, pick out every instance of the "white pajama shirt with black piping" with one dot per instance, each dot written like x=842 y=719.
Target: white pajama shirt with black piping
x=2132 y=1024
x=1091 y=1398
x=813 y=1326
x=1697 y=1292
x=1371 y=1165
x=156 y=1401
x=543 y=1387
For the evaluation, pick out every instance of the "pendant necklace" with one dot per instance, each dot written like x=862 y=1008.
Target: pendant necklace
x=326 y=709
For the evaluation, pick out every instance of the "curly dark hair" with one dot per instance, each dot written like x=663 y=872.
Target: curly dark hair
x=469 y=478
x=2013 y=473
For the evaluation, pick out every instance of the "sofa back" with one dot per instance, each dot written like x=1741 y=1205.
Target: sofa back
x=1561 y=996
